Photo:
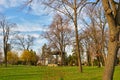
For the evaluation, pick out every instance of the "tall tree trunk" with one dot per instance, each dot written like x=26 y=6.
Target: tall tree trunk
x=5 y=51
x=110 y=63
x=88 y=58
x=113 y=39
x=98 y=59
x=76 y=35
x=78 y=50
x=103 y=55
x=61 y=54
x=5 y=59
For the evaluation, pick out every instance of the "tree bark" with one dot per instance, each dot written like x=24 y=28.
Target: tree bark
x=5 y=58
x=88 y=58
x=77 y=40
x=110 y=63
x=113 y=41
x=5 y=49
x=78 y=51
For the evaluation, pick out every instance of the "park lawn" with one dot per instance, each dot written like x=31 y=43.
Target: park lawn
x=52 y=73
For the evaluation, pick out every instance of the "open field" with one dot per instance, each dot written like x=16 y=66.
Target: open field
x=52 y=73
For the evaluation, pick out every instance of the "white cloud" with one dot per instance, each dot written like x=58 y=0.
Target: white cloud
x=41 y=41
x=28 y=27
x=37 y=8
x=14 y=3
x=38 y=43
x=35 y=35
x=10 y=17
x=1 y=37
x=1 y=9
x=7 y=3
x=4 y=3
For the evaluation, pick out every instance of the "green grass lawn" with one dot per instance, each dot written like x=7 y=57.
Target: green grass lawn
x=52 y=73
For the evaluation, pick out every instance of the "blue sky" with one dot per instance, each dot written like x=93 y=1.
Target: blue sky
x=32 y=22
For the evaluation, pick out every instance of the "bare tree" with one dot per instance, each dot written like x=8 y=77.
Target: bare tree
x=96 y=31
x=87 y=46
x=59 y=35
x=6 y=28
x=71 y=9
x=24 y=42
x=112 y=13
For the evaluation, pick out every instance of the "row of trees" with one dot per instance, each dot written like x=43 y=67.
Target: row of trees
x=93 y=39
x=12 y=39
x=27 y=57
x=111 y=8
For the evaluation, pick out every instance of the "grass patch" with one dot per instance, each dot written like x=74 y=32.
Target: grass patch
x=52 y=73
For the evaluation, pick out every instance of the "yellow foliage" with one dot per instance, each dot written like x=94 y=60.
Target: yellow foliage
x=25 y=56
x=12 y=57
x=28 y=56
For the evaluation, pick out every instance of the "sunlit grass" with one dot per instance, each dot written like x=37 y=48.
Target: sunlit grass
x=52 y=73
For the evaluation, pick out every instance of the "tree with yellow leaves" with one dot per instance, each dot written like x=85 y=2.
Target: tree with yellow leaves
x=12 y=57
x=29 y=57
